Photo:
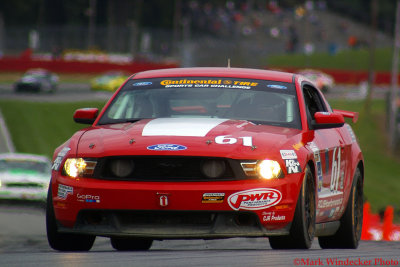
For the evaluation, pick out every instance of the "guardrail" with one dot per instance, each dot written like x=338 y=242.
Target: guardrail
x=63 y=66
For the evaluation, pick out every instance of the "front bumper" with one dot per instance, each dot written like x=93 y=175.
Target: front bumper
x=171 y=224
x=23 y=194
x=28 y=87
x=166 y=210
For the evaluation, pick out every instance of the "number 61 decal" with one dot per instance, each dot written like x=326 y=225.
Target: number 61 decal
x=335 y=173
x=226 y=140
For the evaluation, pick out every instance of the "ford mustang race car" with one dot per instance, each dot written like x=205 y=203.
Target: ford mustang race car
x=209 y=153
x=109 y=81
x=323 y=81
x=24 y=177
x=37 y=80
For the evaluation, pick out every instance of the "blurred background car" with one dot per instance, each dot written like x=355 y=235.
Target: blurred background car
x=24 y=176
x=37 y=80
x=323 y=81
x=109 y=81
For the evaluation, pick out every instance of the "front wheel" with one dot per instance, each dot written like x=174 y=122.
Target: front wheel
x=131 y=244
x=349 y=232
x=303 y=225
x=62 y=241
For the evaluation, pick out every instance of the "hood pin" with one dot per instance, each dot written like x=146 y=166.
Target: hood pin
x=91 y=146
x=208 y=142
x=132 y=141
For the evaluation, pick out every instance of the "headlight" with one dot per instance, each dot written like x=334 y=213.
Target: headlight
x=269 y=169
x=79 y=167
x=122 y=167
x=264 y=169
x=213 y=168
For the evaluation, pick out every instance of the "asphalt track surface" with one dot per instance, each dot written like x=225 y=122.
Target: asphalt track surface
x=23 y=239
x=23 y=243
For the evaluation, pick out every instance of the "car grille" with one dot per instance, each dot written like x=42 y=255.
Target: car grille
x=169 y=169
x=28 y=87
x=162 y=222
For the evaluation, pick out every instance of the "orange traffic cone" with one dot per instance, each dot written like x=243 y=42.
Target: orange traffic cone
x=388 y=223
x=365 y=235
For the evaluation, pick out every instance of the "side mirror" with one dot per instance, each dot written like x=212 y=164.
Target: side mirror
x=86 y=115
x=326 y=120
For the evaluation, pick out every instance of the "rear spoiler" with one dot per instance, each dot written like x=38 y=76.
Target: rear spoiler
x=348 y=114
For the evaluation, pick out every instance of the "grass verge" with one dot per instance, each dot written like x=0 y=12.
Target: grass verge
x=41 y=127
x=354 y=60
x=381 y=184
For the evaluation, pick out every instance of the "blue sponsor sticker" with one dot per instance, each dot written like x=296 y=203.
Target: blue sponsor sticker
x=276 y=86
x=142 y=83
x=166 y=147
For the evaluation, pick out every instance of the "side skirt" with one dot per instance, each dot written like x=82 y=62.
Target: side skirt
x=326 y=229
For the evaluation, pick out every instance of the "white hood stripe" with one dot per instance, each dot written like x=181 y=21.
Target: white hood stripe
x=197 y=127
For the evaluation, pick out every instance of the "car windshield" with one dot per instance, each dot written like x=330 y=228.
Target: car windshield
x=24 y=165
x=258 y=101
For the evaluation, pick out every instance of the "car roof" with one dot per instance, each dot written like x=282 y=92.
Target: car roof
x=218 y=72
x=24 y=156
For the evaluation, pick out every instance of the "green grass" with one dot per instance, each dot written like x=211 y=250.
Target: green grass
x=382 y=172
x=355 y=60
x=41 y=127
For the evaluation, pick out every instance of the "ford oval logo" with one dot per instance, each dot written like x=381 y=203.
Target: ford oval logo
x=142 y=83
x=276 y=86
x=166 y=147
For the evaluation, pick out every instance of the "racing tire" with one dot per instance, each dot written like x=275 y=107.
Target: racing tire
x=131 y=244
x=64 y=241
x=302 y=230
x=349 y=233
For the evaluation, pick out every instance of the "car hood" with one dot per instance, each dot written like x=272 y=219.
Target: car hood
x=187 y=137
x=23 y=176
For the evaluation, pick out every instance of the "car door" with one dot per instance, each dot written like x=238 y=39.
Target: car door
x=329 y=158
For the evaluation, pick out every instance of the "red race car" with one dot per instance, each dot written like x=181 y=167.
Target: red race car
x=209 y=153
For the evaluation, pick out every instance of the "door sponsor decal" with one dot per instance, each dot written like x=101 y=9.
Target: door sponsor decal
x=213 y=198
x=317 y=157
x=288 y=154
x=272 y=217
x=64 y=191
x=323 y=203
x=255 y=199
x=292 y=166
x=87 y=198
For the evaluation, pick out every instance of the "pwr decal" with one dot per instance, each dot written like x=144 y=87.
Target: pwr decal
x=255 y=199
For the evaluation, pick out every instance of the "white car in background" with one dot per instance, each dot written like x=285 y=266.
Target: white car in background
x=322 y=80
x=24 y=176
